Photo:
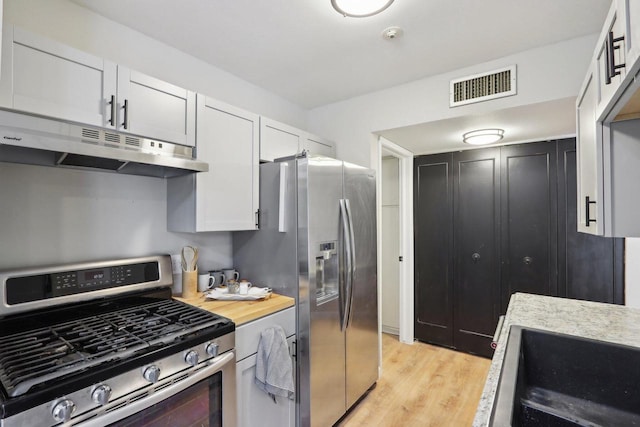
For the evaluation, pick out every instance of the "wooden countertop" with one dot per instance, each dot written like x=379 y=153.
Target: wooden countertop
x=241 y=311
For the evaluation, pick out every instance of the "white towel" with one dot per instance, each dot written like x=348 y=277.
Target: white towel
x=274 y=370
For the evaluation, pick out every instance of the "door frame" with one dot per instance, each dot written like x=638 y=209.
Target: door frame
x=406 y=279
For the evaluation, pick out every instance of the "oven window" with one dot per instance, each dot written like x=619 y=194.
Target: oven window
x=198 y=406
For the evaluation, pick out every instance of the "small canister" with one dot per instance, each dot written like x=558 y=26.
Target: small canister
x=189 y=283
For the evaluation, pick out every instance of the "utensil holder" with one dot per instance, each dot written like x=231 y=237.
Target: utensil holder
x=189 y=283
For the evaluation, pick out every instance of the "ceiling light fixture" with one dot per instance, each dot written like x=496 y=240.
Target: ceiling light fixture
x=483 y=136
x=360 y=8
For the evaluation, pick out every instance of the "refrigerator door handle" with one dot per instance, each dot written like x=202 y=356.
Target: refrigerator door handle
x=345 y=295
x=352 y=269
x=282 y=214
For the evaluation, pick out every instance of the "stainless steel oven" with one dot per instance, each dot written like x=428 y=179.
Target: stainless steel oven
x=104 y=344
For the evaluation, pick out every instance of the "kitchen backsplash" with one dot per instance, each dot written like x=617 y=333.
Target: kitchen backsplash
x=58 y=215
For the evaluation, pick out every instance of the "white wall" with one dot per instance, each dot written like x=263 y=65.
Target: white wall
x=632 y=272
x=54 y=215
x=548 y=73
x=551 y=72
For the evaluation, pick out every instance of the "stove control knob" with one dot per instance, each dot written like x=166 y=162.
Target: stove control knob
x=101 y=394
x=63 y=410
x=191 y=357
x=151 y=373
x=212 y=349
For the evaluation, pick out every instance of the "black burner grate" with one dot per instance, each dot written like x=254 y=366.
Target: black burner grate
x=36 y=356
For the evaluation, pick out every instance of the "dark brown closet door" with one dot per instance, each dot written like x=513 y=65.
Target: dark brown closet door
x=476 y=248
x=433 y=228
x=529 y=220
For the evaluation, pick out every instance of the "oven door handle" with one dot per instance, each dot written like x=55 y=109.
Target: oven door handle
x=160 y=395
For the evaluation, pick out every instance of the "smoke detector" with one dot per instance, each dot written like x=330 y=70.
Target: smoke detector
x=392 y=33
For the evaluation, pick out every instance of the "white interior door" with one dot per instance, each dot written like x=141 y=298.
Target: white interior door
x=385 y=148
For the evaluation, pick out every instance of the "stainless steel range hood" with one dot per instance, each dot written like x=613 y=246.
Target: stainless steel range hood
x=49 y=142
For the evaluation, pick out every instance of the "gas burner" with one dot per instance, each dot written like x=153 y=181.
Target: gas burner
x=31 y=358
x=83 y=340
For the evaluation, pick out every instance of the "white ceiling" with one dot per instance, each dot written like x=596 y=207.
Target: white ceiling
x=304 y=51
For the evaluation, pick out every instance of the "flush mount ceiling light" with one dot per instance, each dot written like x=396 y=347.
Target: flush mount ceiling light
x=483 y=136
x=360 y=8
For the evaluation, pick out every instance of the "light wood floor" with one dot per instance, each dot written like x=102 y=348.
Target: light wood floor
x=422 y=385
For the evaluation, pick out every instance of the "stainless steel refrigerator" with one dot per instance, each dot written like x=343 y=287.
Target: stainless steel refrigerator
x=317 y=243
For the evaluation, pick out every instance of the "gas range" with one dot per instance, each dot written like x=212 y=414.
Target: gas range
x=98 y=343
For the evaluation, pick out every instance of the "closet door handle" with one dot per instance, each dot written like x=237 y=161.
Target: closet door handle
x=587 y=216
x=475 y=257
x=527 y=260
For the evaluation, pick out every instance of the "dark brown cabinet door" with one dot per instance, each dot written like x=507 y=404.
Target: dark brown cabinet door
x=529 y=220
x=589 y=267
x=433 y=228
x=476 y=248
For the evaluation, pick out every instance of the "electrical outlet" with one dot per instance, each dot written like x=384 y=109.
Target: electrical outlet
x=176 y=264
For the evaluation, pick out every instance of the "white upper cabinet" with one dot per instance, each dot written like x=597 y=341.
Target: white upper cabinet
x=320 y=146
x=589 y=158
x=154 y=108
x=611 y=56
x=281 y=140
x=278 y=140
x=632 y=14
x=608 y=129
x=44 y=77
x=226 y=198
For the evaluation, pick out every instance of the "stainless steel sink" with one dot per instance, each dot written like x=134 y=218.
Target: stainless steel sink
x=551 y=379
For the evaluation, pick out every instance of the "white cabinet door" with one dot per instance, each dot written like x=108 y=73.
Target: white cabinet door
x=155 y=109
x=255 y=407
x=44 y=77
x=611 y=57
x=225 y=198
x=278 y=140
x=320 y=146
x=621 y=148
x=589 y=159
x=632 y=21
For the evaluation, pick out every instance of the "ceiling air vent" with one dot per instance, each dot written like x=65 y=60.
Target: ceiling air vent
x=482 y=87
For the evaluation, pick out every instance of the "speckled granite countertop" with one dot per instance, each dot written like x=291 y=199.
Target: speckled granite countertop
x=605 y=322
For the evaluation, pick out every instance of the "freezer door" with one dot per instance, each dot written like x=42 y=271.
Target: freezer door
x=322 y=361
x=362 y=315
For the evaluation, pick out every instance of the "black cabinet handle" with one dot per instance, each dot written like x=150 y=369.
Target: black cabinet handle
x=475 y=257
x=125 y=122
x=587 y=216
x=112 y=120
x=527 y=260
x=612 y=68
